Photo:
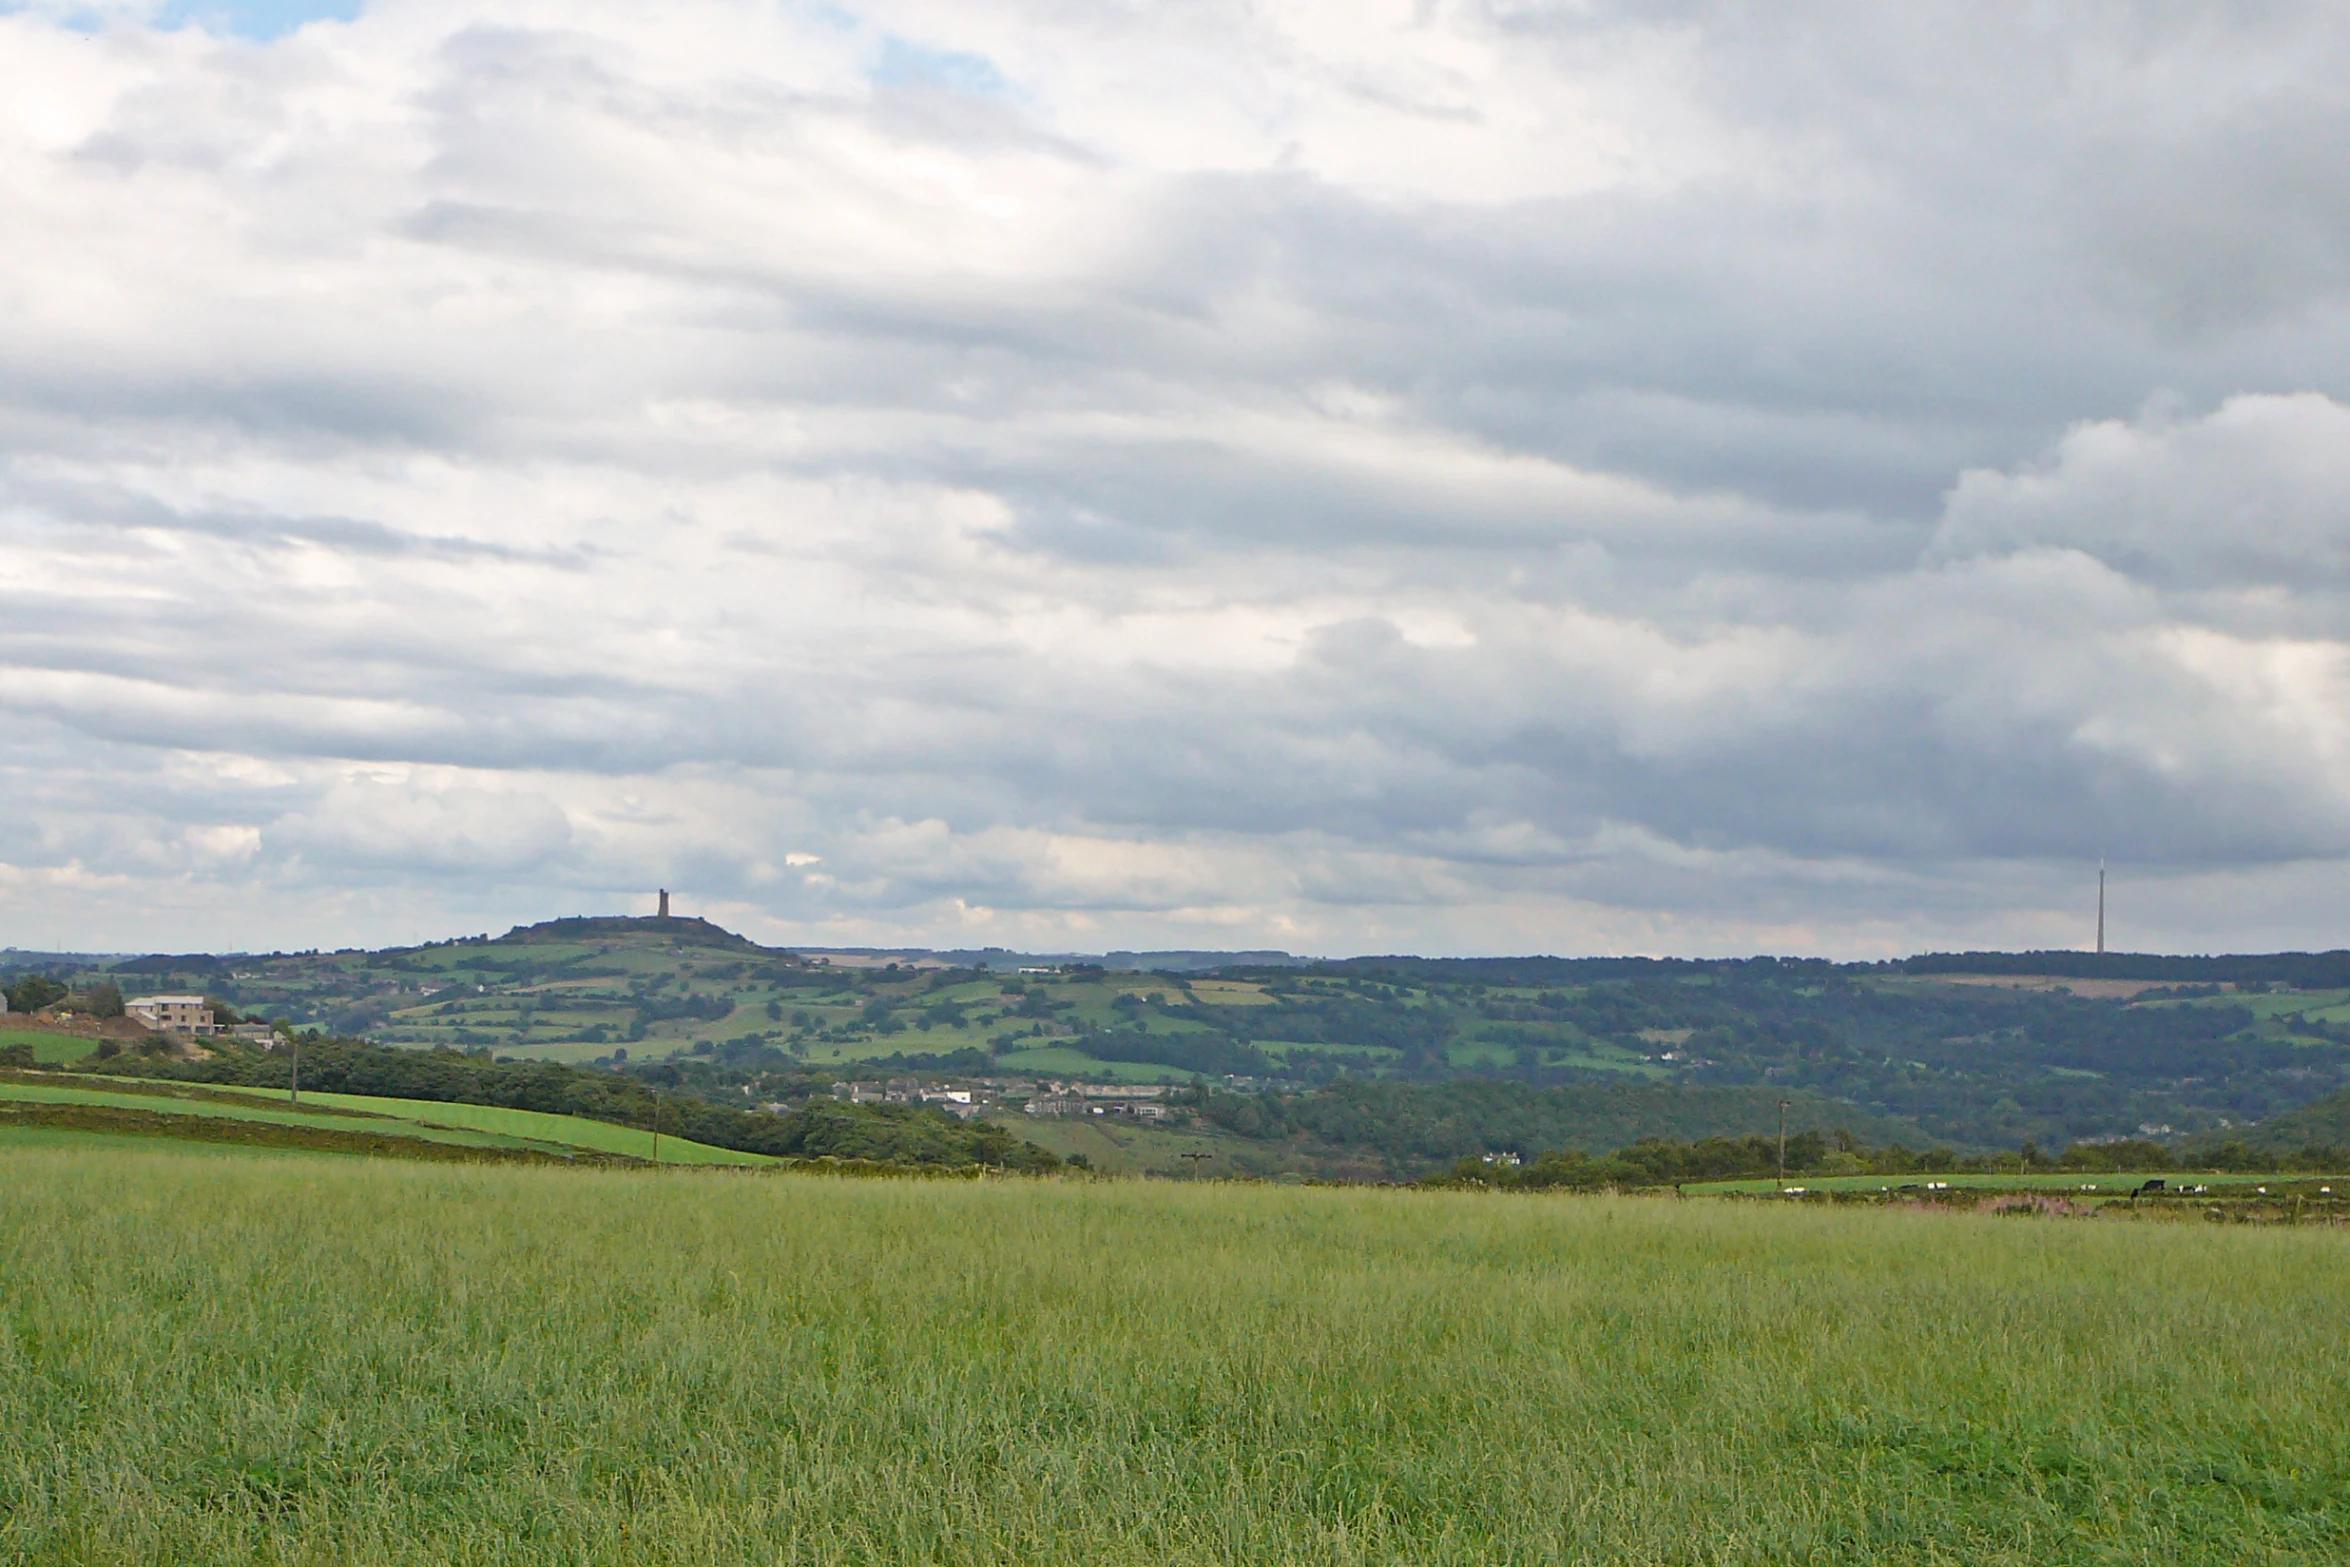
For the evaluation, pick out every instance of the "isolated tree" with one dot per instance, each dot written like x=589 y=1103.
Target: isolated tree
x=33 y=992
x=103 y=999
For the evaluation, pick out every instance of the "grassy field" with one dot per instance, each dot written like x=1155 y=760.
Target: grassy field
x=2103 y=1183
x=483 y=1126
x=1062 y=1060
x=13 y=1136
x=260 y=1359
x=533 y=1125
x=1115 y=1145
x=49 y=1047
x=210 y=1106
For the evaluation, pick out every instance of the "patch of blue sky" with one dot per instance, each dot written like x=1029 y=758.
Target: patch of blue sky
x=904 y=64
x=258 y=19
x=255 y=19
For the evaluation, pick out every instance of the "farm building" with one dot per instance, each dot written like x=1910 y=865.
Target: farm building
x=171 y=1014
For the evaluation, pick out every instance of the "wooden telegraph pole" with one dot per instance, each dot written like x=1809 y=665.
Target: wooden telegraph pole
x=658 y=1104
x=294 y=1088
x=1782 y=1142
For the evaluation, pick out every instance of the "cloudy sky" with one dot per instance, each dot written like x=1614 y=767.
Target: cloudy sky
x=1346 y=475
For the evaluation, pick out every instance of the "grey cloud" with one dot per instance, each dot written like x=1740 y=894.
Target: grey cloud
x=88 y=505
x=2257 y=491
x=561 y=460
x=463 y=829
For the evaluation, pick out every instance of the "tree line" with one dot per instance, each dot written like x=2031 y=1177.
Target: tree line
x=1654 y=1162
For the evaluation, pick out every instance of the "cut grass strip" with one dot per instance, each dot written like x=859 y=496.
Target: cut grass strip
x=199 y=1108
x=246 y=1131
x=18 y=1134
x=538 y=1125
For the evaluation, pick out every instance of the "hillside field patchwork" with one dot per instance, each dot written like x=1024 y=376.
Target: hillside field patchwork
x=278 y=1359
x=1967 y=1053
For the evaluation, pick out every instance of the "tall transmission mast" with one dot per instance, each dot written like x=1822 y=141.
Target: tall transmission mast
x=2100 y=908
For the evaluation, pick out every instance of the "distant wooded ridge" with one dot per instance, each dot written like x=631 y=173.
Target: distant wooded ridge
x=2301 y=970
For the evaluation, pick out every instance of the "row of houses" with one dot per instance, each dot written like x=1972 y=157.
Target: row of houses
x=959 y=1099
x=1137 y=1101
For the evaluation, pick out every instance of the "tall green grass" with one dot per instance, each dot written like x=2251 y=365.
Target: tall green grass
x=314 y=1361
x=49 y=1048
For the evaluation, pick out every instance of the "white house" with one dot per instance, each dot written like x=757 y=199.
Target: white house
x=171 y=1014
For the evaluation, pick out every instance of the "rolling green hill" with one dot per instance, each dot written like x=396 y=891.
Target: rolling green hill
x=2324 y=1123
x=1975 y=1051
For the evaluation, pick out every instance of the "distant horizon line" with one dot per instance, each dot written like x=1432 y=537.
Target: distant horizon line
x=1236 y=956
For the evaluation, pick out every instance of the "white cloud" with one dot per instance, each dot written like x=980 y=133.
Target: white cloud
x=1463 y=476
x=2257 y=492
x=407 y=826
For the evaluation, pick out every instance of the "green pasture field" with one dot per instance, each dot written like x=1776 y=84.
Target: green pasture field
x=1118 y=1145
x=2100 y=1183
x=258 y=1360
x=853 y=1054
x=560 y=1008
x=50 y=1049
x=2332 y=1005
x=1606 y=1058
x=537 y=1126
x=1286 y=1050
x=1061 y=1060
x=12 y=1137
x=579 y=1053
x=224 y=1108
x=2326 y=1006
x=485 y=1126
x=1226 y=993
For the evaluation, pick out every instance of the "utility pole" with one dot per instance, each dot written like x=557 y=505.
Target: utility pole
x=658 y=1103
x=294 y=1092
x=1782 y=1142
x=1195 y=1157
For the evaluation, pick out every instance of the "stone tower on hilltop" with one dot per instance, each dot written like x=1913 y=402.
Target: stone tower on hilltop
x=664 y=903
